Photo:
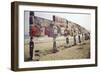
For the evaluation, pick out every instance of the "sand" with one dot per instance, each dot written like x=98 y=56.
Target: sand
x=79 y=51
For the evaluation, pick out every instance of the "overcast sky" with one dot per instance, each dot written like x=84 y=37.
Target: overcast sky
x=83 y=20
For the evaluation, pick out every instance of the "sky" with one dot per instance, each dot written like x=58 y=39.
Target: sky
x=83 y=20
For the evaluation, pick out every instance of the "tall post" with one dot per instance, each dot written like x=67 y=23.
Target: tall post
x=67 y=39
x=74 y=35
x=66 y=35
x=79 y=32
x=54 y=36
x=31 y=42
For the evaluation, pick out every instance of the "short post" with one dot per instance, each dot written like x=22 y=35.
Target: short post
x=79 y=38
x=66 y=35
x=54 y=45
x=74 y=39
x=31 y=46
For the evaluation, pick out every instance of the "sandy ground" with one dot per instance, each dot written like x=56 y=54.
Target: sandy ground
x=79 y=51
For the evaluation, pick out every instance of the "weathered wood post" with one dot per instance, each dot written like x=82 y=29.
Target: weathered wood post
x=82 y=37
x=79 y=32
x=31 y=46
x=54 y=45
x=66 y=35
x=79 y=38
x=31 y=42
x=54 y=36
x=74 y=36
